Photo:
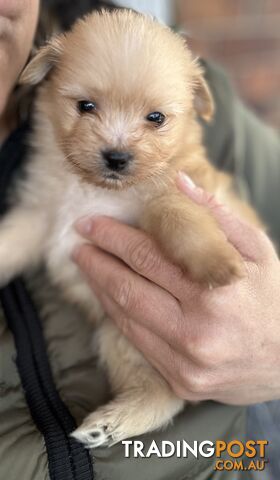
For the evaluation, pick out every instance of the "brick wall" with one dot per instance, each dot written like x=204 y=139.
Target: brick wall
x=243 y=36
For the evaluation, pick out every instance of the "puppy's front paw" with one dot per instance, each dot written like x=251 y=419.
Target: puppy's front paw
x=213 y=263
x=221 y=266
x=191 y=238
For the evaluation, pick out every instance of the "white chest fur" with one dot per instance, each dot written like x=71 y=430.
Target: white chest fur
x=77 y=201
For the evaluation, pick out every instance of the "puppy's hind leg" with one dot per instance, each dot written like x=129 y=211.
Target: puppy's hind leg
x=142 y=399
x=22 y=232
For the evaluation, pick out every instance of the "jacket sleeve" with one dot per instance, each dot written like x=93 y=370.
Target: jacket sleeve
x=257 y=165
x=238 y=142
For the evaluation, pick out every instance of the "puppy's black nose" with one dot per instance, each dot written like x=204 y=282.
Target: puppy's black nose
x=115 y=160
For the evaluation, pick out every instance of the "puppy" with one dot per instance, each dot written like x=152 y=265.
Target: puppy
x=115 y=120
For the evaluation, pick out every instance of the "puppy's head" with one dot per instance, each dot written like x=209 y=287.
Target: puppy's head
x=121 y=91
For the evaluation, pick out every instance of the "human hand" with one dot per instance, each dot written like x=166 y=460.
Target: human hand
x=221 y=344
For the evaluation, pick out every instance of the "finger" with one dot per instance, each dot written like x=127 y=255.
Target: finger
x=137 y=297
x=249 y=240
x=156 y=351
x=137 y=334
x=137 y=250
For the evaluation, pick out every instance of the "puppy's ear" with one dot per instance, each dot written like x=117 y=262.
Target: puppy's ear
x=42 y=63
x=203 y=100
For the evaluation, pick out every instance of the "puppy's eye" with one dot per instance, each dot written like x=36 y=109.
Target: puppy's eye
x=86 y=106
x=156 y=117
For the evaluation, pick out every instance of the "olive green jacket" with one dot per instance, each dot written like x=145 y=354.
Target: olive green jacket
x=237 y=142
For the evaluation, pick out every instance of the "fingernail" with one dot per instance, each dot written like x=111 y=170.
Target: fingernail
x=187 y=180
x=84 y=226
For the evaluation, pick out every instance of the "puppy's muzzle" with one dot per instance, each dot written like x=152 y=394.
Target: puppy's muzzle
x=115 y=160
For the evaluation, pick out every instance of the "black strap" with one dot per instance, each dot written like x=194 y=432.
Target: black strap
x=68 y=459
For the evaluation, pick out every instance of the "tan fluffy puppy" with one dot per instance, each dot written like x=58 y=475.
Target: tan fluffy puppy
x=115 y=119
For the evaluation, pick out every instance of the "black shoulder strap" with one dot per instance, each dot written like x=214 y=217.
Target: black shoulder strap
x=68 y=460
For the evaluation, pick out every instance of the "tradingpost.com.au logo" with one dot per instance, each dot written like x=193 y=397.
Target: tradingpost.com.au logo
x=234 y=455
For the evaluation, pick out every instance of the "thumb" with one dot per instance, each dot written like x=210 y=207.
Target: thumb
x=247 y=239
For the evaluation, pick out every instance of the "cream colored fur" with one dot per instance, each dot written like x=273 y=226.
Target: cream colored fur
x=130 y=66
